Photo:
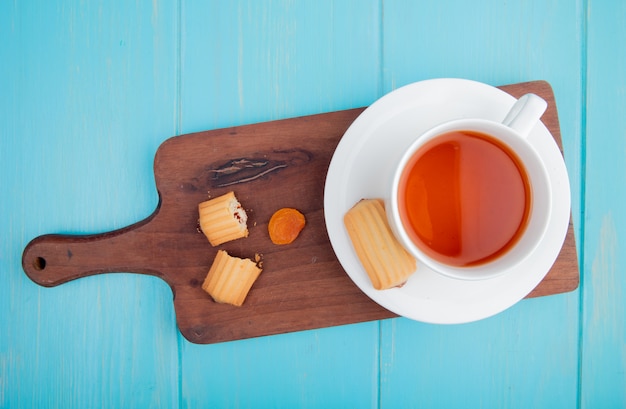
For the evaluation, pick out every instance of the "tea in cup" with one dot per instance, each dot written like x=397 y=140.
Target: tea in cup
x=470 y=198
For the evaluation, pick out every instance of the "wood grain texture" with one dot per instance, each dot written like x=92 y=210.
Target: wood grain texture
x=245 y=62
x=528 y=355
x=86 y=90
x=603 y=339
x=91 y=91
x=269 y=166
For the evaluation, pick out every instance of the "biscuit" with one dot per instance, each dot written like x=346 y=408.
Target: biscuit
x=230 y=278
x=384 y=259
x=223 y=219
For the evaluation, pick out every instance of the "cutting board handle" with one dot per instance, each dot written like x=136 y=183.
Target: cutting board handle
x=54 y=259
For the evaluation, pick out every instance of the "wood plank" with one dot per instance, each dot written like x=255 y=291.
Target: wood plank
x=526 y=356
x=603 y=362
x=249 y=62
x=87 y=92
x=244 y=62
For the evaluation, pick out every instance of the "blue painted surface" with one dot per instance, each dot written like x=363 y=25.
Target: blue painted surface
x=89 y=90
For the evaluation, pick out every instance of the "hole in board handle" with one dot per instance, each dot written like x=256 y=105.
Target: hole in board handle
x=39 y=263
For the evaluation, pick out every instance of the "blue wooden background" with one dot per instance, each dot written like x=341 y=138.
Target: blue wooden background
x=89 y=90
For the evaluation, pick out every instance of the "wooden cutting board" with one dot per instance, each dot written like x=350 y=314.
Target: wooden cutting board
x=268 y=166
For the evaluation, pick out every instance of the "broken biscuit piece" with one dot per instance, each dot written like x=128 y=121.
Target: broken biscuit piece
x=230 y=278
x=223 y=219
x=384 y=259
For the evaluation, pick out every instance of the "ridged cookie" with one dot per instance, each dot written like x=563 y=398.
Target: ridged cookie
x=230 y=278
x=384 y=259
x=223 y=219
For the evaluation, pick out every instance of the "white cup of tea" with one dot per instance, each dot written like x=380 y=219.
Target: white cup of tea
x=471 y=198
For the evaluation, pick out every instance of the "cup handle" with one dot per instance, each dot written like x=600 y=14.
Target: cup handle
x=525 y=113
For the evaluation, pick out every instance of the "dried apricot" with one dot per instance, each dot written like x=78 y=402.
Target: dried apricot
x=285 y=225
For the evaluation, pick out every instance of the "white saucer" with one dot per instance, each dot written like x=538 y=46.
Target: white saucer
x=361 y=167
